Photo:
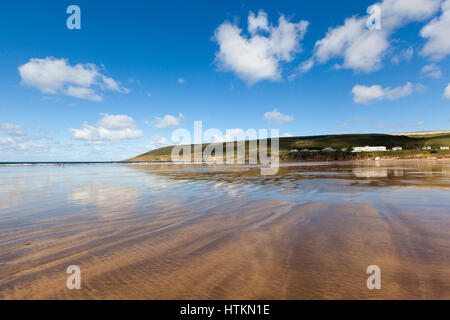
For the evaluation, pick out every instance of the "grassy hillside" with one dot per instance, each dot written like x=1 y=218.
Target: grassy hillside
x=409 y=143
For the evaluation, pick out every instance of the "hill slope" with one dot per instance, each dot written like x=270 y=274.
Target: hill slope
x=413 y=142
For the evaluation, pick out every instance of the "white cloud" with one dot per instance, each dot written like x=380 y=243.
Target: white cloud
x=6 y=141
x=109 y=128
x=9 y=144
x=20 y=141
x=365 y=95
x=432 y=71
x=258 y=57
x=447 y=92
x=168 y=121
x=17 y=145
x=12 y=129
x=181 y=80
x=82 y=93
x=399 y=125
x=157 y=142
x=111 y=84
x=437 y=34
x=405 y=54
x=292 y=77
x=306 y=65
x=115 y=121
x=58 y=77
x=236 y=134
x=362 y=49
x=277 y=117
x=258 y=23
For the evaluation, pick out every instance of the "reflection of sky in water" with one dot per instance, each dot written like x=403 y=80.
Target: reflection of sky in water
x=86 y=192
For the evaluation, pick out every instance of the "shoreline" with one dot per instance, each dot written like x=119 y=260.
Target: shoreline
x=290 y=162
x=282 y=163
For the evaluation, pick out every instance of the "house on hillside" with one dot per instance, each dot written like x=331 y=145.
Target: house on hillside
x=369 y=149
x=293 y=151
x=445 y=148
x=397 y=149
x=426 y=148
x=328 y=149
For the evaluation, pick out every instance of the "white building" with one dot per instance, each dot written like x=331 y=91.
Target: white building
x=293 y=151
x=397 y=148
x=445 y=148
x=328 y=149
x=369 y=149
x=426 y=148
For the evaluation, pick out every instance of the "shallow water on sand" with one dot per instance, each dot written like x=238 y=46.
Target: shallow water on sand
x=176 y=232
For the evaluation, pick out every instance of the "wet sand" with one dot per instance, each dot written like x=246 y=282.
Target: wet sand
x=308 y=233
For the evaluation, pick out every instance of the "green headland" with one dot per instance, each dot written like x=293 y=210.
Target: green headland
x=312 y=147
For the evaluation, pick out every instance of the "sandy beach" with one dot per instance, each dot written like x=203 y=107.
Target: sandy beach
x=308 y=233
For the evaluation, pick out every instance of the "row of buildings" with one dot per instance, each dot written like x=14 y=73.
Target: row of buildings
x=361 y=149
x=429 y=148
x=381 y=149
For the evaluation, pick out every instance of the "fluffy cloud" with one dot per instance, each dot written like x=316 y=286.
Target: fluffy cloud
x=157 y=142
x=277 y=117
x=12 y=129
x=168 y=121
x=362 y=49
x=365 y=95
x=57 y=76
x=256 y=23
x=19 y=141
x=305 y=66
x=436 y=32
x=109 y=128
x=405 y=55
x=116 y=121
x=432 y=71
x=82 y=93
x=447 y=92
x=10 y=144
x=181 y=81
x=257 y=57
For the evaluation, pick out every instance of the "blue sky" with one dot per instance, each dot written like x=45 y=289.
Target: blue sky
x=137 y=70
